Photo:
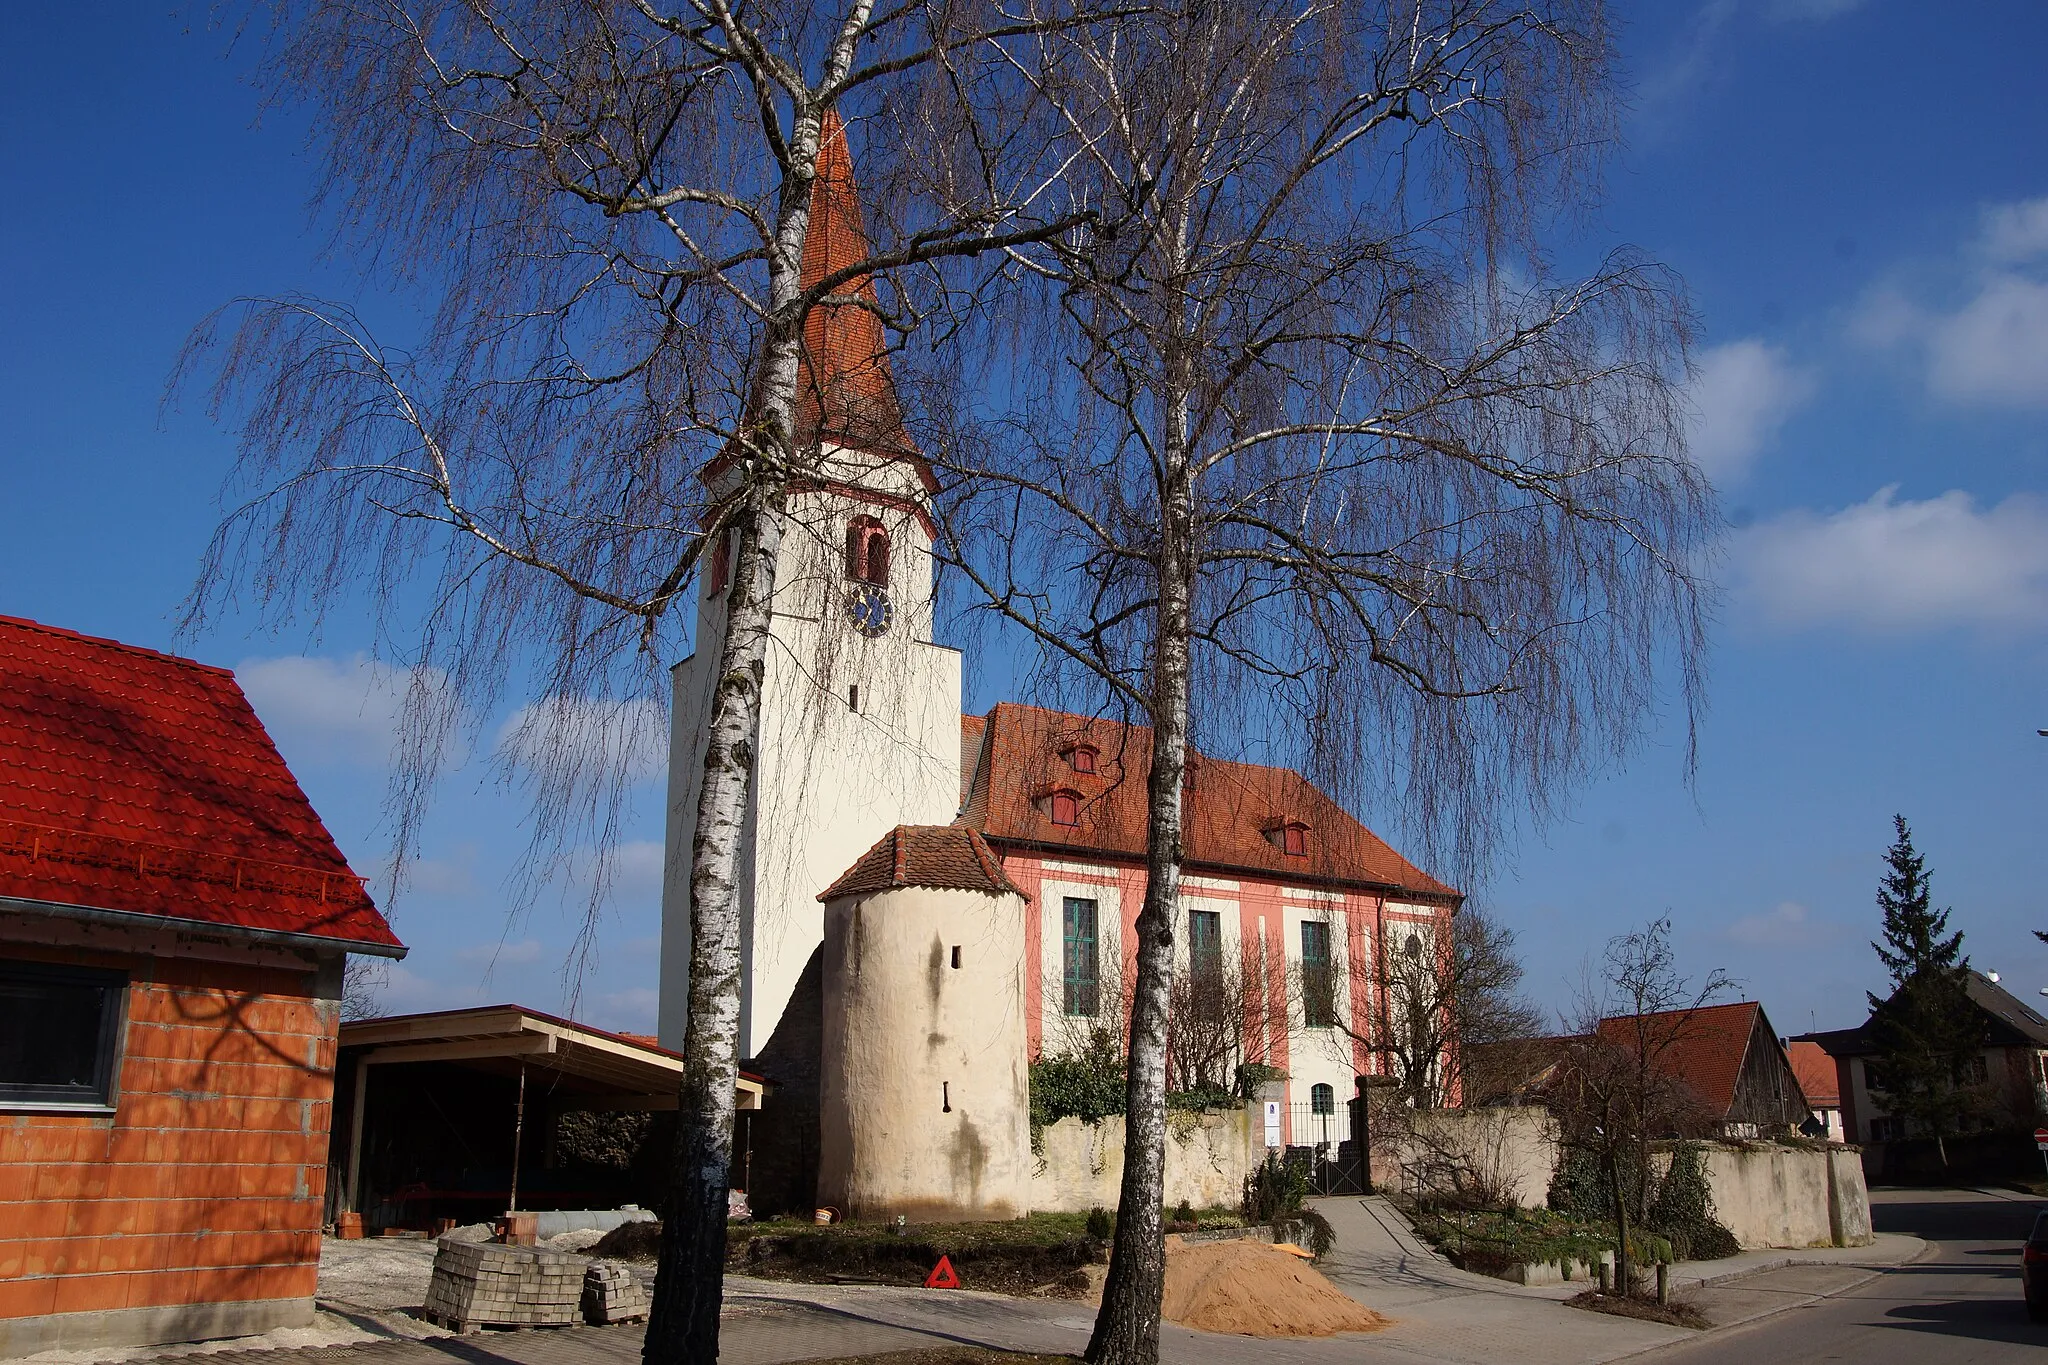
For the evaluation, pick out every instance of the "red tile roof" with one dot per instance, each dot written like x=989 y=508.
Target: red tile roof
x=1818 y=1080
x=137 y=781
x=924 y=855
x=1235 y=808
x=1706 y=1046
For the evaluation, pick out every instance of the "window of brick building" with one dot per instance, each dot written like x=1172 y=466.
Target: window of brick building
x=1081 y=759
x=60 y=1033
x=1066 y=808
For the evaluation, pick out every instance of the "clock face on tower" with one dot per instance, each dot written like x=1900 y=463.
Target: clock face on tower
x=869 y=609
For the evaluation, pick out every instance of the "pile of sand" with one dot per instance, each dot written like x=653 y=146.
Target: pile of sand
x=1256 y=1290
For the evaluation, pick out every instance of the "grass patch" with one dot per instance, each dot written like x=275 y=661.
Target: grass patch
x=952 y=1355
x=1041 y=1254
x=1677 y=1313
x=1490 y=1241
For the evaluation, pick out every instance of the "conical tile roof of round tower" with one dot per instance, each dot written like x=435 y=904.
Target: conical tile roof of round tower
x=947 y=856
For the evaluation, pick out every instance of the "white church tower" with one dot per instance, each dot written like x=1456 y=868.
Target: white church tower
x=860 y=708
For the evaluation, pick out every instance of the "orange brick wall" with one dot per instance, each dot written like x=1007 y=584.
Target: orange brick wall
x=207 y=1183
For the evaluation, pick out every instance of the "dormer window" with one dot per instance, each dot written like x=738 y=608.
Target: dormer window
x=1289 y=836
x=1065 y=808
x=867 y=551
x=1081 y=758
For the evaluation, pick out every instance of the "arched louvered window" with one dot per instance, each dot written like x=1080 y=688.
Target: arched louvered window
x=867 y=551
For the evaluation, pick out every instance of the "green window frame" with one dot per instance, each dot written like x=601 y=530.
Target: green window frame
x=1080 y=958
x=1318 y=976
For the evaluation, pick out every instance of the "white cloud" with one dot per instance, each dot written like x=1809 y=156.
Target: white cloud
x=1788 y=924
x=1990 y=349
x=1741 y=396
x=1812 y=10
x=524 y=953
x=586 y=736
x=1886 y=564
x=1996 y=349
x=627 y=1011
x=2016 y=232
x=334 y=710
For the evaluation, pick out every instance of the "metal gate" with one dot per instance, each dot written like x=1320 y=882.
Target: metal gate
x=1323 y=1146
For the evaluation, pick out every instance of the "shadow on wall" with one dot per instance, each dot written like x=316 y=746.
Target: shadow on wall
x=782 y=1175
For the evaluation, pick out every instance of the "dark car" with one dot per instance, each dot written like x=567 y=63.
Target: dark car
x=2034 y=1269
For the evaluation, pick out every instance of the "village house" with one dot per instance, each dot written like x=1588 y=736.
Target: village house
x=2011 y=1068
x=1821 y=1085
x=863 y=753
x=1739 y=1079
x=174 y=921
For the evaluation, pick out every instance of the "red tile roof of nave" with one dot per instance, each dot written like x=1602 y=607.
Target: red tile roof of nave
x=1234 y=806
x=845 y=393
x=142 y=782
x=1818 y=1079
x=972 y=728
x=1706 y=1046
x=924 y=855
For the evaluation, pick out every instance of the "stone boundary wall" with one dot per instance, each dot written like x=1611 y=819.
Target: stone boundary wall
x=1768 y=1195
x=1081 y=1165
x=1507 y=1151
x=1772 y=1196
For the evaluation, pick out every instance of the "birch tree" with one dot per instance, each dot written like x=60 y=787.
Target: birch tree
x=605 y=203
x=1318 y=450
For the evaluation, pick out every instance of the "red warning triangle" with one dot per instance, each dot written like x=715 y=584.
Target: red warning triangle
x=942 y=1276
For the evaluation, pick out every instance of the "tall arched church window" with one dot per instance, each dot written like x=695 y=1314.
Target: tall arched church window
x=867 y=551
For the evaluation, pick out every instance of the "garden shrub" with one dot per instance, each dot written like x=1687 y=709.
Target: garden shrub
x=1086 y=1085
x=1683 y=1210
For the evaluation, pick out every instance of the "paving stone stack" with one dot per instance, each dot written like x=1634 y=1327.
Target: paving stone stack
x=612 y=1293
x=483 y=1284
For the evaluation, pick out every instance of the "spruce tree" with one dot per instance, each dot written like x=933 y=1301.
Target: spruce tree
x=1911 y=926
x=1927 y=1030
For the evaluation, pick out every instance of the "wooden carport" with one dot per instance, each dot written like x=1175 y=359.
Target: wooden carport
x=569 y=1066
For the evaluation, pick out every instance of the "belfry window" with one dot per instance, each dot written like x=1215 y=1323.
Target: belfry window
x=721 y=564
x=867 y=551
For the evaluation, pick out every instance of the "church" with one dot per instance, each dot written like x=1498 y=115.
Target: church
x=931 y=899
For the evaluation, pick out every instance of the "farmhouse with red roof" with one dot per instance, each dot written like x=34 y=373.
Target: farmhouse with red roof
x=863 y=758
x=1728 y=1057
x=174 y=919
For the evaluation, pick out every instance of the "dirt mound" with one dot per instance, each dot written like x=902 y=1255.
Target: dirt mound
x=1255 y=1290
x=639 y=1241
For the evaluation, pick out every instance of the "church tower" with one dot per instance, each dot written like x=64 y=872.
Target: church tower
x=860 y=708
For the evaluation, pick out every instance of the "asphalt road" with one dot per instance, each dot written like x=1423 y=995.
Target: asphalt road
x=1960 y=1302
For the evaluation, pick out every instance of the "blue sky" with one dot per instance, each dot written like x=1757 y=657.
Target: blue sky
x=1855 y=192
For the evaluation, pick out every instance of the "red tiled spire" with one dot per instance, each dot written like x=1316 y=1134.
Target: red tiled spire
x=844 y=390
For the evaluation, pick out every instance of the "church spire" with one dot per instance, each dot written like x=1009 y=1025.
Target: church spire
x=845 y=394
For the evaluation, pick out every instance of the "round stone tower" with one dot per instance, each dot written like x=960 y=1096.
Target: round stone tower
x=925 y=1107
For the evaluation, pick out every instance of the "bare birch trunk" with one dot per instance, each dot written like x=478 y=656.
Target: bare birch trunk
x=689 y=1286
x=1127 y=1326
